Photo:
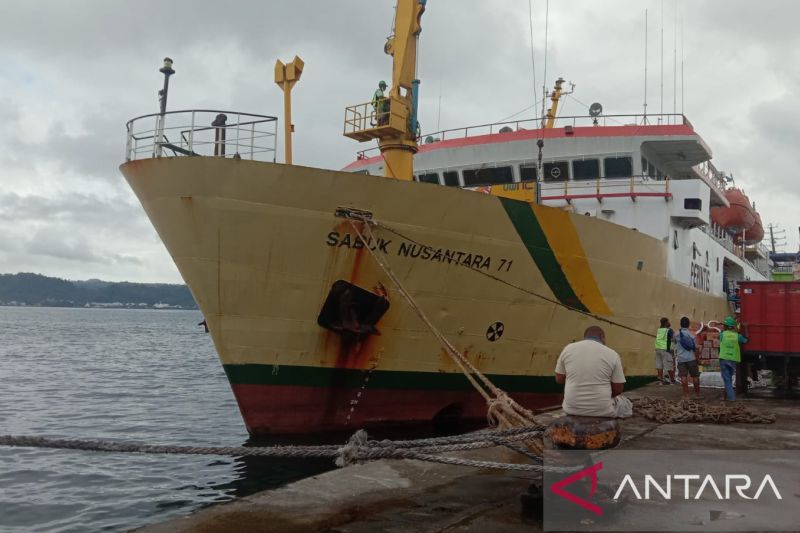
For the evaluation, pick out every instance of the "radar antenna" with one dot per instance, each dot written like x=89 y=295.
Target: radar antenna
x=595 y=110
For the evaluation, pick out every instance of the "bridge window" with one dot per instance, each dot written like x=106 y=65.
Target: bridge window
x=451 y=178
x=618 y=167
x=556 y=171
x=487 y=176
x=692 y=203
x=431 y=177
x=586 y=169
x=527 y=172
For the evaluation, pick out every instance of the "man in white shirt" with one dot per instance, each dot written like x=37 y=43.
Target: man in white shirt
x=593 y=378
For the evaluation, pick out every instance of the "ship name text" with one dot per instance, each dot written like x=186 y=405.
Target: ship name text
x=419 y=251
x=700 y=277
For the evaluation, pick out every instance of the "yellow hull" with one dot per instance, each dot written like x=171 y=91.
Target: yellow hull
x=260 y=247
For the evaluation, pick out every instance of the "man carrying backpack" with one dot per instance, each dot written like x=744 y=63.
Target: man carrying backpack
x=730 y=355
x=687 y=359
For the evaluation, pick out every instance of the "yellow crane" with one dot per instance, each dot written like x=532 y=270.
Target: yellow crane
x=392 y=120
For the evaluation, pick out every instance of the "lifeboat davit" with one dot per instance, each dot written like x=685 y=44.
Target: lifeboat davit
x=755 y=234
x=740 y=218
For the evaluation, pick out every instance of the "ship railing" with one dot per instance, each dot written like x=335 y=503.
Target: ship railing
x=364 y=122
x=600 y=188
x=713 y=176
x=536 y=123
x=202 y=132
x=719 y=234
x=758 y=248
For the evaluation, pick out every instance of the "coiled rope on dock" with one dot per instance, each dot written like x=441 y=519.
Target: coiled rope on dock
x=359 y=448
x=684 y=411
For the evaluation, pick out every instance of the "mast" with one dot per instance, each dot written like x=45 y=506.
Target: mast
x=555 y=96
x=772 y=238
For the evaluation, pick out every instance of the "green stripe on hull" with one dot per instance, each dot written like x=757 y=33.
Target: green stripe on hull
x=533 y=237
x=313 y=376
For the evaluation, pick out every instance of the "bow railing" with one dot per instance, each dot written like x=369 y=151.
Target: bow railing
x=202 y=132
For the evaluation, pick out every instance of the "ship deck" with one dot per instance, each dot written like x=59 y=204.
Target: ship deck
x=393 y=495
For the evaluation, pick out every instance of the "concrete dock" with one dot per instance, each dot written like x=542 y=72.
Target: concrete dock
x=392 y=495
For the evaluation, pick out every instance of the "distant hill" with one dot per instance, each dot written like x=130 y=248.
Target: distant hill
x=37 y=290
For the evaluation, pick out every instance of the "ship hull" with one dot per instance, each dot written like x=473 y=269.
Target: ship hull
x=260 y=247
x=307 y=399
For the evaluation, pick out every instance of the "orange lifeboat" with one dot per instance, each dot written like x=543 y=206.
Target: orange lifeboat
x=739 y=217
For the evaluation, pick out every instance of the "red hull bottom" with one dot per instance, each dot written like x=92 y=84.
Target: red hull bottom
x=285 y=409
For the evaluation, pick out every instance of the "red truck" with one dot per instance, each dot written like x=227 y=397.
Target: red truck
x=770 y=318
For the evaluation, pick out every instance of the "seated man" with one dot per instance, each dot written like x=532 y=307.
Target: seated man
x=593 y=376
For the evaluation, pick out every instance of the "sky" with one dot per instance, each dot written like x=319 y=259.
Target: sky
x=73 y=73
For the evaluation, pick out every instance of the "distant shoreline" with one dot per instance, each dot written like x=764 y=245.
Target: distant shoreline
x=35 y=290
x=106 y=308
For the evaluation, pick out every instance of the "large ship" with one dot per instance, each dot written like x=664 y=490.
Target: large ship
x=511 y=238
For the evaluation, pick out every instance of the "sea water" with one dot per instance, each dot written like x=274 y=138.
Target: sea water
x=143 y=376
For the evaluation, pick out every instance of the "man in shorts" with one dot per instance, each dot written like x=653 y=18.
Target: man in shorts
x=664 y=359
x=685 y=350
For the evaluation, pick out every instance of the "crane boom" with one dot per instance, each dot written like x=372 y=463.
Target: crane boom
x=394 y=121
x=402 y=44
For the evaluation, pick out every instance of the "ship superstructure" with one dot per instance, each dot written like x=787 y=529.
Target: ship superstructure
x=651 y=174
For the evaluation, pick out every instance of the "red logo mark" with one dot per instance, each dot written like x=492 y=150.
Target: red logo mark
x=591 y=471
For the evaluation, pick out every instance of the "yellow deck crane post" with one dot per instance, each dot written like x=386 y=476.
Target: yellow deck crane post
x=550 y=118
x=394 y=125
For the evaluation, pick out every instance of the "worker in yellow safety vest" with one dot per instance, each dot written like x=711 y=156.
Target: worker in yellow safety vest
x=730 y=355
x=664 y=359
x=380 y=104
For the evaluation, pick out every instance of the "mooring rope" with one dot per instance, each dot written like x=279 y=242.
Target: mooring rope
x=359 y=448
x=503 y=411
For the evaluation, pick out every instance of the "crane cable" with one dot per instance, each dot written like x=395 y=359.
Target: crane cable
x=544 y=80
x=533 y=62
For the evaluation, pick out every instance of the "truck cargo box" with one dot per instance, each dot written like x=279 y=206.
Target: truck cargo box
x=771 y=316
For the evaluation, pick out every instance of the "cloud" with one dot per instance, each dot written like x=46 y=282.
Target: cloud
x=60 y=245
x=70 y=80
